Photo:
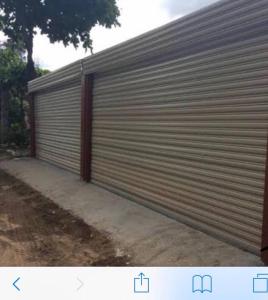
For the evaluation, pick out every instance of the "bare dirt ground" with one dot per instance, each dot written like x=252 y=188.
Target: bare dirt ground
x=34 y=231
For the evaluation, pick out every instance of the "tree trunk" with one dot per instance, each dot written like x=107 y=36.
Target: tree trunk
x=22 y=115
x=1 y=128
x=30 y=67
x=4 y=116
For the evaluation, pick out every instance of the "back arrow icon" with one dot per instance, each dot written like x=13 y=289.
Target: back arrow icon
x=15 y=284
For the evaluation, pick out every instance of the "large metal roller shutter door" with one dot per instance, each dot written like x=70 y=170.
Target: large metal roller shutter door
x=189 y=137
x=58 y=126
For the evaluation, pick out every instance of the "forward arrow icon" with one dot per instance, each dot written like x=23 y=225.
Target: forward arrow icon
x=81 y=284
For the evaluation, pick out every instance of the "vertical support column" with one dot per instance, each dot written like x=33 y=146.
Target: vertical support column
x=264 y=250
x=86 y=126
x=32 y=125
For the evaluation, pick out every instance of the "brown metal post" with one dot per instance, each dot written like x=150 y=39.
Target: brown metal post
x=86 y=126
x=32 y=125
x=264 y=250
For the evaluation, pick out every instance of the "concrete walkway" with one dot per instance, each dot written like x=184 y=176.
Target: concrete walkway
x=151 y=238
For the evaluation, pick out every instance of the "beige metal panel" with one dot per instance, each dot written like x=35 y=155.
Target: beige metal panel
x=220 y=24
x=223 y=23
x=194 y=219
x=57 y=118
x=250 y=54
x=188 y=137
x=237 y=61
x=67 y=75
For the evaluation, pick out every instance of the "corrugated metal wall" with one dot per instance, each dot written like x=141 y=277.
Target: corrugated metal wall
x=222 y=23
x=58 y=119
x=180 y=118
x=189 y=137
x=63 y=75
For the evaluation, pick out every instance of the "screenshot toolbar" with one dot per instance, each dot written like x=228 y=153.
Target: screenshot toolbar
x=134 y=283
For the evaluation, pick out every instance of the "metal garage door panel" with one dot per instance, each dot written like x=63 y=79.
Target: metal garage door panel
x=188 y=137
x=58 y=126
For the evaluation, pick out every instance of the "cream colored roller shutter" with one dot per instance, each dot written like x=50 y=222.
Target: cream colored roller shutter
x=188 y=137
x=57 y=115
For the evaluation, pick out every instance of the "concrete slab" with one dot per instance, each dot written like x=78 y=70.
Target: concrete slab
x=151 y=238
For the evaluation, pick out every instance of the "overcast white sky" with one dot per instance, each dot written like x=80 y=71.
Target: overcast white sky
x=137 y=17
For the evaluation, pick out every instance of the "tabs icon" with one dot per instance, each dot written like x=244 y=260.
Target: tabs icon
x=260 y=284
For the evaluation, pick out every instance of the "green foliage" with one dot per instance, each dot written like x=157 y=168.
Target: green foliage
x=13 y=84
x=12 y=69
x=67 y=21
x=13 y=89
x=41 y=72
x=18 y=133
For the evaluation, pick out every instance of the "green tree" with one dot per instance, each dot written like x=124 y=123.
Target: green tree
x=13 y=89
x=12 y=81
x=67 y=21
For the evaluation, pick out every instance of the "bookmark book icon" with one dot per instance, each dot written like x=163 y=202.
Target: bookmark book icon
x=202 y=284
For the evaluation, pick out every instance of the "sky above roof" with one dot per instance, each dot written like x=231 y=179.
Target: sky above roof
x=137 y=17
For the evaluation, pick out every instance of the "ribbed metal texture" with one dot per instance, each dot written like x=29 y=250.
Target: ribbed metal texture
x=57 y=115
x=224 y=22
x=67 y=74
x=189 y=138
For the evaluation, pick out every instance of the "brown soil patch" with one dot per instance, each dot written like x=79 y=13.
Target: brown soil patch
x=34 y=231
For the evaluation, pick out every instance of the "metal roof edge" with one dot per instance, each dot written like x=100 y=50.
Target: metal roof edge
x=36 y=84
x=56 y=77
x=213 y=26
